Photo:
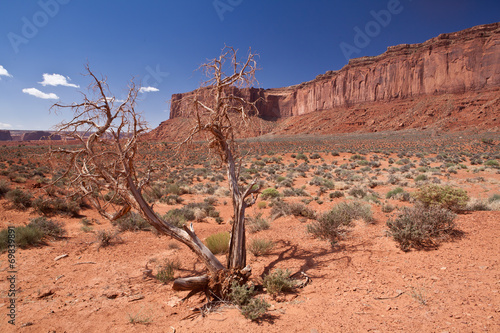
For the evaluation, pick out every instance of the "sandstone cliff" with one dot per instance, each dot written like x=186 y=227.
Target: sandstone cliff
x=450 y=63
x=39 y=135
x=446 y=80
x=5 y=135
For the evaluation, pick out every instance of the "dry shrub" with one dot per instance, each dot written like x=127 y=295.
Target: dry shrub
x=422 y=227
x=218 y=243
x=447 y=197
x=260 y=247
x=333 y=224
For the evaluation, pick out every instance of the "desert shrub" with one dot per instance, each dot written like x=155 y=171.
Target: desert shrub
x=241 y=294
x=47 y=227
x=171 y=199
x=218 y=243
x=51 y=206
x=4 y=187
x=443 y=196
x=270 y=193
x=320 y=181
x=388 y=208
x=298 y=209
x=295 y=192
x=278 y=281
x=302 y=156
x=167 y=270
x=19 y=199
x=260 y=247
x=336 y=194
x=493 y=198
x=394 y=192
x=106 y=238
x=314 y=156
x=420 y=178
x=492 y=163
x=131 y=222
x=357 y=192
x=255 y=308
x=257 y=223
x=475 y=204
x=279 y=209
x=206 y=208
x=261 y=204
x=333 y=224
x=421 y=226
x=25 y=236
x=179 y=216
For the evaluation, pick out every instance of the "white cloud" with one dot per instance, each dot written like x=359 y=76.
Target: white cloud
x=37 y=93
x=2 y=125
x=148 y=89
x=3 y=72
x=56 y=80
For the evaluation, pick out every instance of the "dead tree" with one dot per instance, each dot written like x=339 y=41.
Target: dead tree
x=108 y=132
x=214 y=113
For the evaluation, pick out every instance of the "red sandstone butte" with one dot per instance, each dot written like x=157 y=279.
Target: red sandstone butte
x=453 y=63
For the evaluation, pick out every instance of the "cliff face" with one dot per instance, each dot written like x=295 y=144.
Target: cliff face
x=39 y=135
x=5 y=135
x=463 y=61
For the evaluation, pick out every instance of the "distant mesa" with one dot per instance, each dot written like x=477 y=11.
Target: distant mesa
x=5 y=135
x=450 y=82
x=39 y=135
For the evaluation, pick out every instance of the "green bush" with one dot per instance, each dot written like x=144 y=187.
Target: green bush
x=255 y=308
x=241 y=294
x=447 y=197
x=24 y=237
x=394 y=192
x=421 y=226
x=492 y=163
x=269 y=193
x=167 y=270
x=260 y=247
x=420 y=178
x=131 y=222
x=333 y=224
x=278 y=281
x=51 y=206
x=19 y=199
x=218 y=243
x=179 y=216
x=48 y=227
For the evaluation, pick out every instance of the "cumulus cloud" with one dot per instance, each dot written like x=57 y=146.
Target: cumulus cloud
x=40 y=94
x=56 y=80
x=3 y=72
x=3 y=125
x=148 y=89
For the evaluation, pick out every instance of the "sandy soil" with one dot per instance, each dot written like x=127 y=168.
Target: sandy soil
x=364 y=284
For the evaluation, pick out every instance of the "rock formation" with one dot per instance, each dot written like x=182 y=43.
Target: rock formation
x=453 y=63
x=5 y=135
x=39 y=135
x=450 y=63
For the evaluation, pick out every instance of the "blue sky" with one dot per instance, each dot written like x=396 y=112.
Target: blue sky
x=45 y=44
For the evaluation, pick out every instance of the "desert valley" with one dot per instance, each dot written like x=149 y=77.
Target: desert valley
x=376 y=207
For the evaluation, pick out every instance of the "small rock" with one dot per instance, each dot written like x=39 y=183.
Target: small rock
x=112 y=294
x=46 y=293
